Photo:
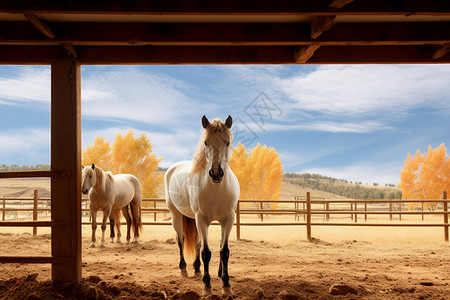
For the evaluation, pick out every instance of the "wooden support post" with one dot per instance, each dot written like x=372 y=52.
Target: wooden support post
x=390 y=209
x=4 y=207
x=327 y=208
x=400 y=210
x=365 y=210
x=261 y=216
x=356 y=212
x=35 y=210
x=308 y=216
x=154 y=214
x=445 y=208
x=351 y=209
x=238 y=222
x=66 y=159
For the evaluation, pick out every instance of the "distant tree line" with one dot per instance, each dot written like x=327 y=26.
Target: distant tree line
x=341 y=186
x=13 y=168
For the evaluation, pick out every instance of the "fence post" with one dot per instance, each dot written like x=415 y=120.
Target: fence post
x=4 y=207
x=308 y=216
x=261 y=207
x=35 y=210
x=423 y=203
x=327 y=208
x=238 y=221
x=356 y=212
x=351 y=209
x=154 y=215
x=365 y=210
x=400 y=210
x=390 y=209
x=444 y=197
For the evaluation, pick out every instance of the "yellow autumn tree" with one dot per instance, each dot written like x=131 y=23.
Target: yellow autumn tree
x=128 y=155
x=426 y=175
x=259 y=172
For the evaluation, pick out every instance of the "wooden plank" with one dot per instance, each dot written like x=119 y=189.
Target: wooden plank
x=39 y=24
x=66 y=157
x=442 y=51
x=303 y=54
x=26 y=174
x=223 y=34
x=33 y=259
x=220 y=55
x=320 y=25
x=249 y=7
x=26 y=223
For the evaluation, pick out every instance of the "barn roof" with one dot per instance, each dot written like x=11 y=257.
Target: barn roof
x=205 y=31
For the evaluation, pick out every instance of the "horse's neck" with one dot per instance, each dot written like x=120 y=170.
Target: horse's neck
x=102 y=177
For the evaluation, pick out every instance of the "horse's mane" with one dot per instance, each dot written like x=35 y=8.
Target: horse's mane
x=102 y=176
x=214 y=127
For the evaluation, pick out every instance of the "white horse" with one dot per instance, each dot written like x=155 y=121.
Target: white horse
x=201 y=191
x=112 y=193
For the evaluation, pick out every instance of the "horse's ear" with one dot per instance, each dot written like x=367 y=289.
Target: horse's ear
x=82 y=167
x=93 y=166
x=205 y=121
x=229 y=121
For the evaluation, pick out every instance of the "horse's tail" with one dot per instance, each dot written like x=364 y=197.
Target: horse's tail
x=190 y=238
x=136 y=220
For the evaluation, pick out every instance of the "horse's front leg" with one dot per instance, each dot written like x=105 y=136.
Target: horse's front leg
x=226 y=225
x=106 y=214
x=202 y=227
x=93 y=213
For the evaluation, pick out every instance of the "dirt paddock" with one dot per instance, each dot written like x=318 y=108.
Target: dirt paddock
x=268 y=266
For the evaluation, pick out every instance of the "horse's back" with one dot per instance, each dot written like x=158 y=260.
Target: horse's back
x=128 y=187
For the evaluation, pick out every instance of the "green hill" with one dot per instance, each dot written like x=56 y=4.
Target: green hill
x=339 y=188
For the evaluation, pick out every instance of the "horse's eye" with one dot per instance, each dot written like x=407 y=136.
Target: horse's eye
x=206 y=144
x=90 y=176
x=228 y=144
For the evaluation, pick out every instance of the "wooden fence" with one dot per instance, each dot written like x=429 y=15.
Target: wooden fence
x=303 y=210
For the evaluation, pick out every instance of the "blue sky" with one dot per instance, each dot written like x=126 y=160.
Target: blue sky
x=356 y=122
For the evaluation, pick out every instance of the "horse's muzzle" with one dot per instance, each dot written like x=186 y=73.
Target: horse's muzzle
x=216 y=178
x=85 y=192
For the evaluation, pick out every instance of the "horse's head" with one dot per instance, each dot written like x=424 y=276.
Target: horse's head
x=218 y=146
x=88 y=178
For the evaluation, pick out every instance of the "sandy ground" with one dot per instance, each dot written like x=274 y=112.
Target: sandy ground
x=267 y=266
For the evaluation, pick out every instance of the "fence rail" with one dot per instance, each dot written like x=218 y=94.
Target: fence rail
x=304 y=207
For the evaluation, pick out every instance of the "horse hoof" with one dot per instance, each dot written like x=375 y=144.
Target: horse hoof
x=102 y=246
x=119 y=242
x=207 y=292
x=92 y=245
x=184 y=273
x=112 y=241
x=136 y=242
x=198 y=274
x=227 y=291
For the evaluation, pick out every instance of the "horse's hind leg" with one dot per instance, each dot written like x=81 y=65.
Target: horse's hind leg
x=126 y=214
x=111 y=229
x=197 y=262
x=177 y=223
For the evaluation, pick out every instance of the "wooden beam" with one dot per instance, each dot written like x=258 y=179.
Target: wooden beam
x=39 y=25
x=70 y=49
x=337 y=4
x=220 y=55
x=442 y=51
x=66 y=157
x=178 y=7
x=320 y=25
x=303 y=54
x=223 y=34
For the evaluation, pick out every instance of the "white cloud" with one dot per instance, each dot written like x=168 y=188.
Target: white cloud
x=26 y=145
x=25 y=85
x=130 y=94
x=368 y=90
